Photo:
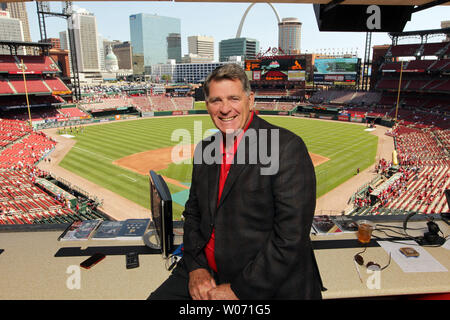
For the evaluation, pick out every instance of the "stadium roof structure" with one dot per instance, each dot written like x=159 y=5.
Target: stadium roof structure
x=345 y=2
x=14 y=45
x=424 y=35
x=420 y=32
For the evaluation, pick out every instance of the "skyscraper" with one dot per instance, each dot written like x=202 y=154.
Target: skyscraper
x=10 y=30
x=18 y=10
x=174 y=47
x=84 y=25
x=244 y=47
x=289 y=35
x=202 y=46
x=64 y=40
x=124 y=55
x=148 y=34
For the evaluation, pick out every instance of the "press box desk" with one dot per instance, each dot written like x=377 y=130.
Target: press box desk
x=335 y=253
x=34 y=265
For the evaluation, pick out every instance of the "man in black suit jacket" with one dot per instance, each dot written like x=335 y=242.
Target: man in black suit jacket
x=250 y=207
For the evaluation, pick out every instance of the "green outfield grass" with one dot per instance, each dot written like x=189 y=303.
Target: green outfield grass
x=347 y=146
x=199 y=105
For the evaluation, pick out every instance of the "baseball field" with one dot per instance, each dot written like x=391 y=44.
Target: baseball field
x=118 y=155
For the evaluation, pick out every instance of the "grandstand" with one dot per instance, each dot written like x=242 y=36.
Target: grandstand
x=142 y=103
x=418 y=183
x=345 y=97
x=424 y=98
x=27 y=194
x=421 y=126
x=26 y=197
x=425 y=82
x=42 y=89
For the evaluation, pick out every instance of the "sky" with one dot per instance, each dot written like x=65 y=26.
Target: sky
x=221 y=21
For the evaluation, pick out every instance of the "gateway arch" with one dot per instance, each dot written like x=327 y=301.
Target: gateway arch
x=238 y=33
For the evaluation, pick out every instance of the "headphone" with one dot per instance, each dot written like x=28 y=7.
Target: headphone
x=430 y=238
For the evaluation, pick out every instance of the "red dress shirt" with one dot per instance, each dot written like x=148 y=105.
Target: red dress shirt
x=224 y=169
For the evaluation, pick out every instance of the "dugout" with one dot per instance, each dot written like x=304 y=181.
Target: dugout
x=114 y=112
x=318 y=111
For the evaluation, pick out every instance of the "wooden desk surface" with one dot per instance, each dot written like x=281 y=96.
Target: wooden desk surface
x=30 y=270
x=339 y=275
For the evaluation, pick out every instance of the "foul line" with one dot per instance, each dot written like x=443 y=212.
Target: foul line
x=96 y=154
x=134 y=180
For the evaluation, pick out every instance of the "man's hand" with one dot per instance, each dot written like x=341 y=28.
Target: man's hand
x=200 y=282
x=222 y=292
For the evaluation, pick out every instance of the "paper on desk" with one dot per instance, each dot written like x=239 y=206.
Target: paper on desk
x=446 y=245
x=423 y=263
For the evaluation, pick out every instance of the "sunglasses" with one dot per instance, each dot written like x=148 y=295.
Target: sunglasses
x=373 y=266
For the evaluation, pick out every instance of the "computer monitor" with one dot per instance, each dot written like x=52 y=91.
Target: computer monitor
x=161 y=207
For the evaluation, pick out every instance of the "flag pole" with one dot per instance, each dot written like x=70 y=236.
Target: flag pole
x=26 y=91
x=398 y=93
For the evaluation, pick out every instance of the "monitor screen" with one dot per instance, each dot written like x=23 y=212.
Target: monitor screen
x=161 y=207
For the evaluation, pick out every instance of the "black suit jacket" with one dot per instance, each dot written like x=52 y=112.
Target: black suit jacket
x=263 y=221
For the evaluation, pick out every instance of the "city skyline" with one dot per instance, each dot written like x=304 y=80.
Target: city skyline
x=260 y=23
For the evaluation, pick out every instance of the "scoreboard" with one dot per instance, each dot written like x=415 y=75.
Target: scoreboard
x=336 y=71
x=276 y=68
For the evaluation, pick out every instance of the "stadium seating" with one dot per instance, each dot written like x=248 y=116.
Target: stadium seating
x=434 y=49
x=443 y=85
x=107 y=104
x=32 y=86
x=12 y=130
x=55 y=84
x=418 y=84
x=183 y=103
x=40 y=82
x=261 y=105
x=26 y=152
x=391 y=66
x=5 y=88
x=425 y=87
x=440 y=65
x=271 y=92
x=346 y=97
x=404 y=50
x=39 y=64
x=424 y=173
x=285 y=106
x=22 y=202
x=72 y=112
x=419 y=65
x=9 y=64
x=391 y=84
x=141 y=103
x=162 y=103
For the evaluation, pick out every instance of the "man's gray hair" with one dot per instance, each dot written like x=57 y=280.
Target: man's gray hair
x=230 y=71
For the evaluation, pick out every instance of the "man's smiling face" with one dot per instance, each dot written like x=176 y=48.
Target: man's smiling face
x=228 y=105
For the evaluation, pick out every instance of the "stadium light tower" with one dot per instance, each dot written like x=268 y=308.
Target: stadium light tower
x=367 y=62
x=43 y=10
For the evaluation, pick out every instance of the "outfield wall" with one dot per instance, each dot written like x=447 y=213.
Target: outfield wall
x=358 y=118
